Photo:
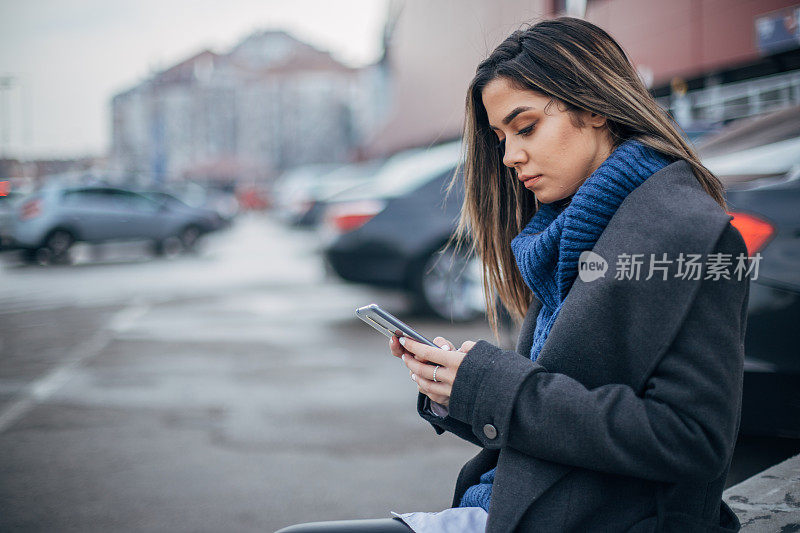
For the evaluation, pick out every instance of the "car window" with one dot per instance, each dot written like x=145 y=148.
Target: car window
x=85 y=197
x=132 y=200
x=114 y=199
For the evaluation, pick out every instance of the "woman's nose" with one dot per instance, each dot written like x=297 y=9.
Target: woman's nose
x=513 y=155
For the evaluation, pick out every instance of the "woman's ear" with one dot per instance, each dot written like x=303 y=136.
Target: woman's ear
x=588 y=119
x=595 y=120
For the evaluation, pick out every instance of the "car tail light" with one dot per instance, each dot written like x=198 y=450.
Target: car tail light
x=30 y=209
x=351 y=216
x=755 y=231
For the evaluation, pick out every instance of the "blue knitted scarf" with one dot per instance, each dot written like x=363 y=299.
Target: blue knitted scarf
x=548 y=248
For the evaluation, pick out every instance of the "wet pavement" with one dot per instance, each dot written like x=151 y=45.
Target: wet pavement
x=234 y=390
x=230 y=390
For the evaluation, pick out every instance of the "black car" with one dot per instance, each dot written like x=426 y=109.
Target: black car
x=758 y=160
x=391 y=232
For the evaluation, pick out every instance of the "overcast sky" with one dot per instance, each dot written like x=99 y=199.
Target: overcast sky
x=68 y=57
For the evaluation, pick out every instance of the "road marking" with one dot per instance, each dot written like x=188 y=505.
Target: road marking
x=124 y=319
x=43 y=388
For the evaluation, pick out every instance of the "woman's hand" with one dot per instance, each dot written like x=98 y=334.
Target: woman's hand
x=422 y=359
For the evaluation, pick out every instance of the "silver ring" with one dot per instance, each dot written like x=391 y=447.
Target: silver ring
x=434 y=373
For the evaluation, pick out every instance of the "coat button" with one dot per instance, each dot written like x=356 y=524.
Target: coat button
x=490 y=431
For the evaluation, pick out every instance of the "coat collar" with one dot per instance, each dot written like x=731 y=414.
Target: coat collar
x=615 y=331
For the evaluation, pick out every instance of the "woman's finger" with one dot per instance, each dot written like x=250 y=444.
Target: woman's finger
x=438 y=392
x=429 y=353
x=466 y=346
x=396 y=347
x=443 y=374
x=443 y=343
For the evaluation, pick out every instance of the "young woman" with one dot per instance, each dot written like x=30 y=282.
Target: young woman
x=619 y=409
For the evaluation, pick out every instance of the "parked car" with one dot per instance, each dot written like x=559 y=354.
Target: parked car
x=8 y=204
x=50 y=221
x=391 y=232
x=758 y=160
x=291 y=190
x=308 y=207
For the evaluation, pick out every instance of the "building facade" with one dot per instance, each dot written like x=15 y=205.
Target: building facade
x=270 y=103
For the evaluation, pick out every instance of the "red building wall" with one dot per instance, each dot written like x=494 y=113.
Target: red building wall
x=686 y=38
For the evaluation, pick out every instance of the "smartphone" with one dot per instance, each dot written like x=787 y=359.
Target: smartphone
x=388 y=324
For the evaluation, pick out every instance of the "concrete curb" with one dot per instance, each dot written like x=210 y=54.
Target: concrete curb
x=770 y=500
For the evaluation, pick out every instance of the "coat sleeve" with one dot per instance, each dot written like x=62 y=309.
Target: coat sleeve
x=446 y=423
x=681 y=426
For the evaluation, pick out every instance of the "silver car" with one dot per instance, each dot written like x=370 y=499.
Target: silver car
x=50 y=221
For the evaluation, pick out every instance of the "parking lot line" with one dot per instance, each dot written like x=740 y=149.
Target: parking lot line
x=41 y=389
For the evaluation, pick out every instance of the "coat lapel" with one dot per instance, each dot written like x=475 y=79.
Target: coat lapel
x=615 y=330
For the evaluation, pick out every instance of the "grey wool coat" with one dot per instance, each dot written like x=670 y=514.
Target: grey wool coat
x=627 y=420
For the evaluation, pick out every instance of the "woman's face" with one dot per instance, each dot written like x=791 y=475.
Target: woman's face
x=551 y=156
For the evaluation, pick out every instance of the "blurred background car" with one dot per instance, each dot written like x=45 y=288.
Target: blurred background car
x=758 y=161
x=391 y=234
x=308 y=206
x=291 y=191
x=50 y=221
x=8 y=203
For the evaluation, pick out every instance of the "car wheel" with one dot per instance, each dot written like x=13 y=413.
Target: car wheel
x=56 y=248
x=189 y=237
x=450 y=286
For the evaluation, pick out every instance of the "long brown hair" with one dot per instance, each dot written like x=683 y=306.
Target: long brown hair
x=581 y=67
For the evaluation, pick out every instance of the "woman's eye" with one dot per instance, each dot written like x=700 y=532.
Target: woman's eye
x=526 y=131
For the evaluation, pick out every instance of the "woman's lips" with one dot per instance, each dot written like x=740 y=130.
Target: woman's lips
x=528 y=181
